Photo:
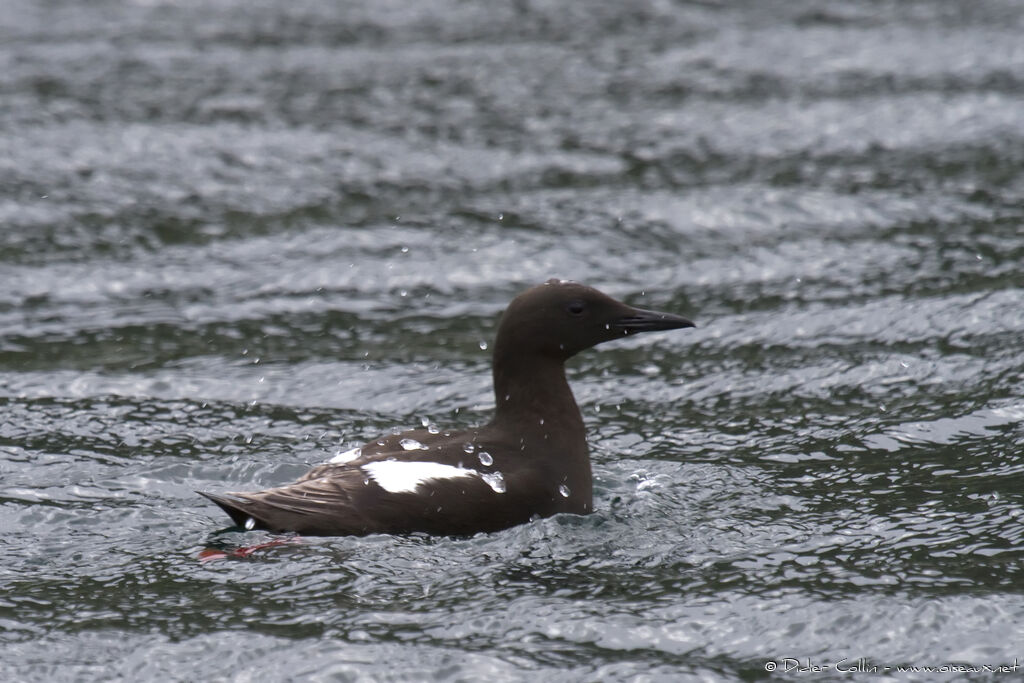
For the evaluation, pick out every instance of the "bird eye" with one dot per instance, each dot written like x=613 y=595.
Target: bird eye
x=575 y=307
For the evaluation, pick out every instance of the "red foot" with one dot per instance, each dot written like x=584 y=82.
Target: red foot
x=209 y=554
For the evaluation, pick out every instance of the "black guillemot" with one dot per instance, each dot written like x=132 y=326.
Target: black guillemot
x=529 y=461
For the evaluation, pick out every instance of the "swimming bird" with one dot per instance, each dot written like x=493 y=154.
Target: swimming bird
x=530 y=461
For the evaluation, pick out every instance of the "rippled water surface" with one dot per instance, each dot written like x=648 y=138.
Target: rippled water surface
x=237 y=238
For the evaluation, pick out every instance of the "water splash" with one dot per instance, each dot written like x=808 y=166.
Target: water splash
x=346 y=456
x=495 y=480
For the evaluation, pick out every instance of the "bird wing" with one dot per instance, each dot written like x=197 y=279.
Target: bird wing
x=344 y=500
x=303 y=506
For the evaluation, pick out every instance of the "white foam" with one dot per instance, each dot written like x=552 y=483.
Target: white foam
x=395 y=476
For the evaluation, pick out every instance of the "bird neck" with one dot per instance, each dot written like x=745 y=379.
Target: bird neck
x=532 y=390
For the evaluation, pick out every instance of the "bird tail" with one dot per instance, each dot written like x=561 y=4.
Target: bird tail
x=238 y=509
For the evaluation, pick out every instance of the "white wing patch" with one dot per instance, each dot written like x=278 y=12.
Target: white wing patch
x=395 y=476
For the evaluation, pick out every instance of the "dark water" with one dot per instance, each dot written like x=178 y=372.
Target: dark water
x=238 y=237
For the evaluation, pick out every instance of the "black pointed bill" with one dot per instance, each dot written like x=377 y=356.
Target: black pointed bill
x=640 y=320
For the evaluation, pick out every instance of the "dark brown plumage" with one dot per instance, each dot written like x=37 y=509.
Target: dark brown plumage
x=530 y=461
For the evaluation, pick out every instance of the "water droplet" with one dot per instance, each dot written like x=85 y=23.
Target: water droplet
x=485 y=458
x=468 y=447
x=405 y=250
x=495 y=481
x=542 y=420
x=483 y=345
x=433 y=429
x=250 y=524
x=412 y=445
x=564 y=490
x=424 y=421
